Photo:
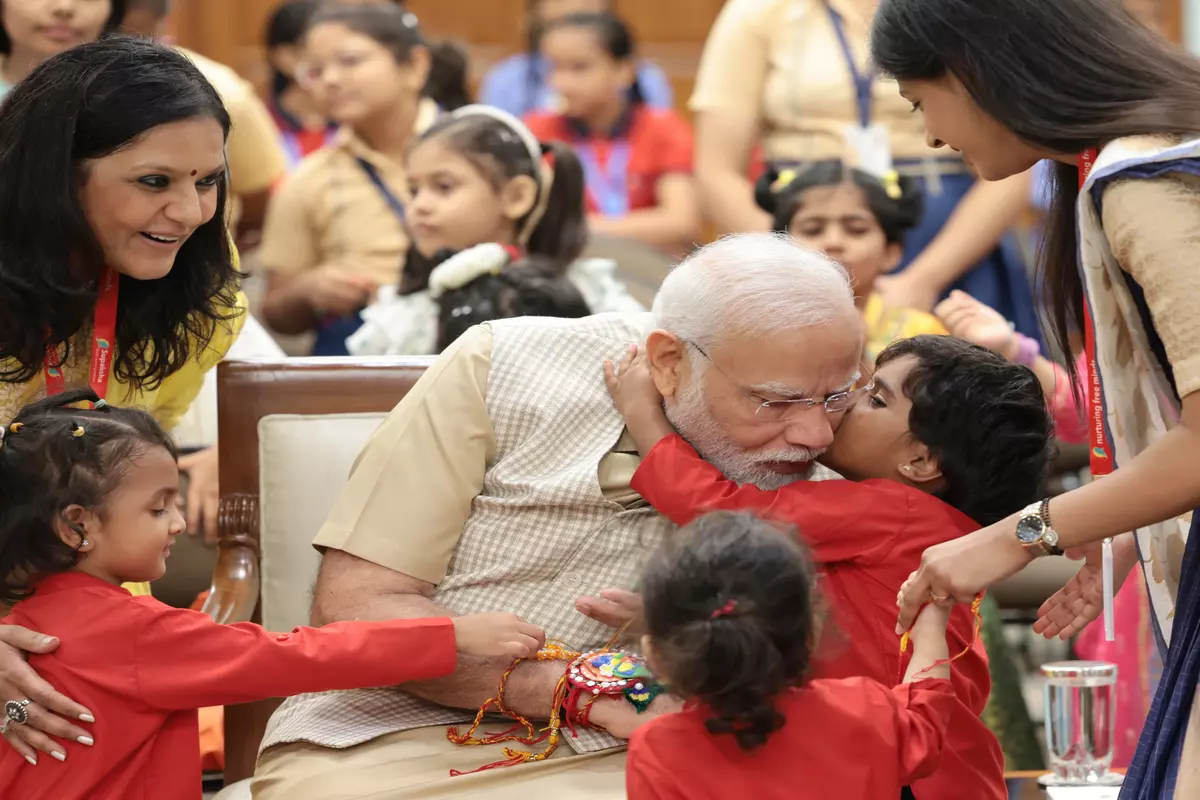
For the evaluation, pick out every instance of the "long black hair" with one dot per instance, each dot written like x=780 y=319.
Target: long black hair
x=81 y=105
x=732 y=618
x=1064 y=76
x=898 y=209
x=500 y=154
x=115 y=17
x=614 y=38
x=47 y=464
x=399 y=31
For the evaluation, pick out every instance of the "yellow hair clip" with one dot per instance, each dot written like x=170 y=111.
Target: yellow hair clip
x=891 y=184
x=78 y=430
x=16 y=427
x=781 y=182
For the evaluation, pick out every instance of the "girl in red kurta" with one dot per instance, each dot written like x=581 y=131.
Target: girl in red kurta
x=637 y=159
x=731 y=617
x=946 y=435
x=88 y=501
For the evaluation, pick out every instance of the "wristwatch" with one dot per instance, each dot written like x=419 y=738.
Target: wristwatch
x=1035 y=533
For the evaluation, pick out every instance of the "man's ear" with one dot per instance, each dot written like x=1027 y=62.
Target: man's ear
x=667 y=357
x=921 y=466
x=71 y=527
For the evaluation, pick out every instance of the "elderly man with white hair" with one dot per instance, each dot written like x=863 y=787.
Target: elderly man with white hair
x=501 y=482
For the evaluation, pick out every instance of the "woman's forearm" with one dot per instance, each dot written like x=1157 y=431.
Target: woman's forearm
x=1160 y=483
x=728 y=200
x=978 y=223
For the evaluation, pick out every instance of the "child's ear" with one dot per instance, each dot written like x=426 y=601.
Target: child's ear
x=921 y=467
x=892 y=255
x=71 y=527
x=667 y=359
x=517 y=197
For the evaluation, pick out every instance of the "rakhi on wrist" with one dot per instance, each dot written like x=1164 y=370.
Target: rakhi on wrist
x=588 y=676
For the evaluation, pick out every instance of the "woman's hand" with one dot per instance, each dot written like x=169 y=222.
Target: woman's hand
x=905 y=291
x=47 y=708
x=1076 y=605
x=332 y=290
x=615 y=608
x=203 y=499
x=967 y=318
x=962 y=568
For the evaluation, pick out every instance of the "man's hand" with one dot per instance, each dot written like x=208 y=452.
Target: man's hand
x=47 y=708
x=203 y=499
x=616 y=608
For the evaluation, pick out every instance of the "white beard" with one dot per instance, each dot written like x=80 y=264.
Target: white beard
x=691 y=417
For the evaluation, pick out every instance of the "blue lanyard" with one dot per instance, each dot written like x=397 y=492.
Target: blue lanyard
x=609 y=186
x=862 y=81
x=390 y=198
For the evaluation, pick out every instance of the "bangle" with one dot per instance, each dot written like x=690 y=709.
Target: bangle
x=1028 y=350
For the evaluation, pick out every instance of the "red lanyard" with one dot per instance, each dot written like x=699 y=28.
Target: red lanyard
x=104 y=330
x=1098 y=450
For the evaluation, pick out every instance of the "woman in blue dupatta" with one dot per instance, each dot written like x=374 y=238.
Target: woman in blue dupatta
x=1009 y=82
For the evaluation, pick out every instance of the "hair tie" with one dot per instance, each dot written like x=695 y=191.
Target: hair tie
x=725 y=610
x=891 y=184
x=77 y=430
x=783 y=180
x=100 y=405
x=465 y=266
x=16 y=427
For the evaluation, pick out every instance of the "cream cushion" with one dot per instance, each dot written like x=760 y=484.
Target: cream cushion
x=304 y=461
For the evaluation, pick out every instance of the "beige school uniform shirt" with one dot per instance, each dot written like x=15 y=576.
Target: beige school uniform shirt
x=329 y=212
x=780 y=62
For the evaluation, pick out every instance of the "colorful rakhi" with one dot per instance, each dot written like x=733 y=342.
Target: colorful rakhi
x=608 y=673
x=587 y=677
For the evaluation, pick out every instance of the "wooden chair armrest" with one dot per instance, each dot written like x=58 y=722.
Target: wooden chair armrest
x=233 y=595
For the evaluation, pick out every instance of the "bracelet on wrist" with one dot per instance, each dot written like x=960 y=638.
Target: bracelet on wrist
x=1028 y=350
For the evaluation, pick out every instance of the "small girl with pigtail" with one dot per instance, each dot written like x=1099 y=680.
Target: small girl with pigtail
x=89 y=501
x=497 y=225
x=731 y=619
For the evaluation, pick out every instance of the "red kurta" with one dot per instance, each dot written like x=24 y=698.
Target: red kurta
x=143 y=669
x=854 y=739
x=659 y=143
x=868 y=536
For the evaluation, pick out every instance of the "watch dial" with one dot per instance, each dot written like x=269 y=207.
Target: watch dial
x=1029 y=529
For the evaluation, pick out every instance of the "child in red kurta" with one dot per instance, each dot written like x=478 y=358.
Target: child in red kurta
x=88 y=501
x=730 y=620
x=946 y=436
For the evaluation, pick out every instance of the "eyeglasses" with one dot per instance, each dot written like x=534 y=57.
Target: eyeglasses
x=780 y=410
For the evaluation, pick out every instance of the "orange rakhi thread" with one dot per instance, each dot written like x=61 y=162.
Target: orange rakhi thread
x=522 y=730
x=975 y=612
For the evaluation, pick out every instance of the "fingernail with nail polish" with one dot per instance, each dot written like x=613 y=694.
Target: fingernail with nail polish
x=86 y=740
x=58 y=755
x=87 y=718
x=31 y=760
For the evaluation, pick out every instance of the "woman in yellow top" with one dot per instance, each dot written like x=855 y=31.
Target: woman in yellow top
x=793 y=76
x=116 y=269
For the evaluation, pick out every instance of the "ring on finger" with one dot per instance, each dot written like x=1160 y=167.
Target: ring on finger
x=17 y=712
x=938 y=598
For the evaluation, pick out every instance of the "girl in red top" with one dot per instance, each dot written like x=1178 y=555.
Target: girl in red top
x=88 y=501
x=637 y=159
x=731 y=618
x=946 y=435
